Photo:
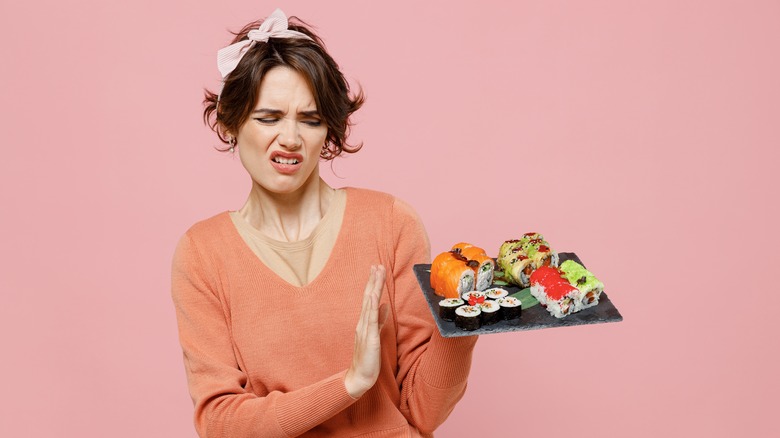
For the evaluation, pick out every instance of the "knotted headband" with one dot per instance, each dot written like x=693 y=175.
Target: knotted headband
x=275 y=26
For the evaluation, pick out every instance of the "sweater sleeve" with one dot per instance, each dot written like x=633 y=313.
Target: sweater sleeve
x=223 y=406
x=433 y=370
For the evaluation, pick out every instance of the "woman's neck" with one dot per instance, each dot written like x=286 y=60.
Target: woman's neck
x=287 y=217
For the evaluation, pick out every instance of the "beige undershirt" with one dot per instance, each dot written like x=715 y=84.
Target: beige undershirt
x=298 y=263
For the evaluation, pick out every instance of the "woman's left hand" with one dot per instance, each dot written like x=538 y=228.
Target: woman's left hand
x=366 y=359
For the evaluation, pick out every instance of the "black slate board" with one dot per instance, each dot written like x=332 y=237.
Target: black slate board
x=533 y=318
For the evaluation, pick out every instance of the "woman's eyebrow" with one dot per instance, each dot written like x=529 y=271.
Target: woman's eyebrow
x=267 y=111
x=309 y=113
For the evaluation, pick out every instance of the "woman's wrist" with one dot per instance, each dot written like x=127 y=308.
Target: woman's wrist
x=355 y=388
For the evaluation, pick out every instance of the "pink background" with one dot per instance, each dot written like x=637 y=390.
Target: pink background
x=642 y=135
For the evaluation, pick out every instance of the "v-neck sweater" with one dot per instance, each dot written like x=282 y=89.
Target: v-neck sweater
x=266 y=358
x=301 y=261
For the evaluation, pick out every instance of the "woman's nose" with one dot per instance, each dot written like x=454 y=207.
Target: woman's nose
x=289 y=137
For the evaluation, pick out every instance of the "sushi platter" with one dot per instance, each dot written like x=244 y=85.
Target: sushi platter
x=533 y=315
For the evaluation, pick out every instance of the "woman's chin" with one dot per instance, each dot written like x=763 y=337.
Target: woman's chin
x=272 y=182
x=289 y=187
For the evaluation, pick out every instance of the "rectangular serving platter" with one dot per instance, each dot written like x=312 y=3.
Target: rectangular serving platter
x=533 y=315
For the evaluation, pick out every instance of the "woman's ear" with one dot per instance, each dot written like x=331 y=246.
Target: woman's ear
x=227 y=134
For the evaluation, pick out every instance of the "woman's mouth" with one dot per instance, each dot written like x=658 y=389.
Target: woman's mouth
x=286 y=163
x=281 y=160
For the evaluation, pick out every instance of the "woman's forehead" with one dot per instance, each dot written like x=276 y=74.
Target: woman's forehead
x=282 y=87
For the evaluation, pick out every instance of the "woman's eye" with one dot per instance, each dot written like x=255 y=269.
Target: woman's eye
x=266 y=120
x=312 y=122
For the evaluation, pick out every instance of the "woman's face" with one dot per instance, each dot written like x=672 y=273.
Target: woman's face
x=280 y=142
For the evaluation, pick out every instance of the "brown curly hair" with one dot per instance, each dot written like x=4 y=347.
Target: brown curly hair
x=226 y=113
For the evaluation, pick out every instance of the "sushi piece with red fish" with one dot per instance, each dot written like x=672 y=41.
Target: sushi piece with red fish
x=553 y=290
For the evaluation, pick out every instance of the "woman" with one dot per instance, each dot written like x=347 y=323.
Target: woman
x=281 y=332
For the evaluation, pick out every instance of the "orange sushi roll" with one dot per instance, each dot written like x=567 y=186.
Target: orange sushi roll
x=455 y=278
x=462 y=246
x=483 y=271
x=451 y=275
x=438 y=262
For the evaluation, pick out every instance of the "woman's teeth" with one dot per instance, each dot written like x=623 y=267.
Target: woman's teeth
x=281 y=160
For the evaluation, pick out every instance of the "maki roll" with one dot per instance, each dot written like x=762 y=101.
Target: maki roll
x=506 y=247
x=504 y=253
x=527 y=237
x=447 y=308
x=455 y=281
x=459 y=247
x=517 y=266
x=467 y=317
x=562 y=299
x=490 y=312
x=483 y=271
x=495 y=293
x=440 y=262
x=511 y=307
x=473 y=298
x=520 y=257
x=451 y=275
x=540 y=254
x=553 y=290
x=436 y=266
x=590 y=287
x=544 y=275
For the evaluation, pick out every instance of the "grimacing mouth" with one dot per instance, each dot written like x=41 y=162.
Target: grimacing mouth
x=282 y=160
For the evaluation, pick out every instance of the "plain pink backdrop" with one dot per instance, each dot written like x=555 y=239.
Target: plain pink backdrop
x=642 y=135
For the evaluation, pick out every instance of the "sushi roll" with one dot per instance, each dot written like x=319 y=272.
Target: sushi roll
x=467 y=317
x=490 y=312
x=456 y=280
x=520 y=257
x=544 y=275
x=503 y=255
x=459 y=247
x=518 y=267
x=495 y=293
x=530 y=237
x=554 y=291
x=540 y=254
x=436 y=266
x=538 y=250
x=562 y=299
x=473 y=298
x=590 y=287
x=440 y=262
x=447 y=308
x=451 y=275
x=511 y=307
x=483 y=271
x=506 y=247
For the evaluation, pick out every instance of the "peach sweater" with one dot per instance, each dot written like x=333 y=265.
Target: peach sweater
x=268 y=359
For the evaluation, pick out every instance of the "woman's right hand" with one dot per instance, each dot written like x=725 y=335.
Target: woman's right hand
x=366 y=359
